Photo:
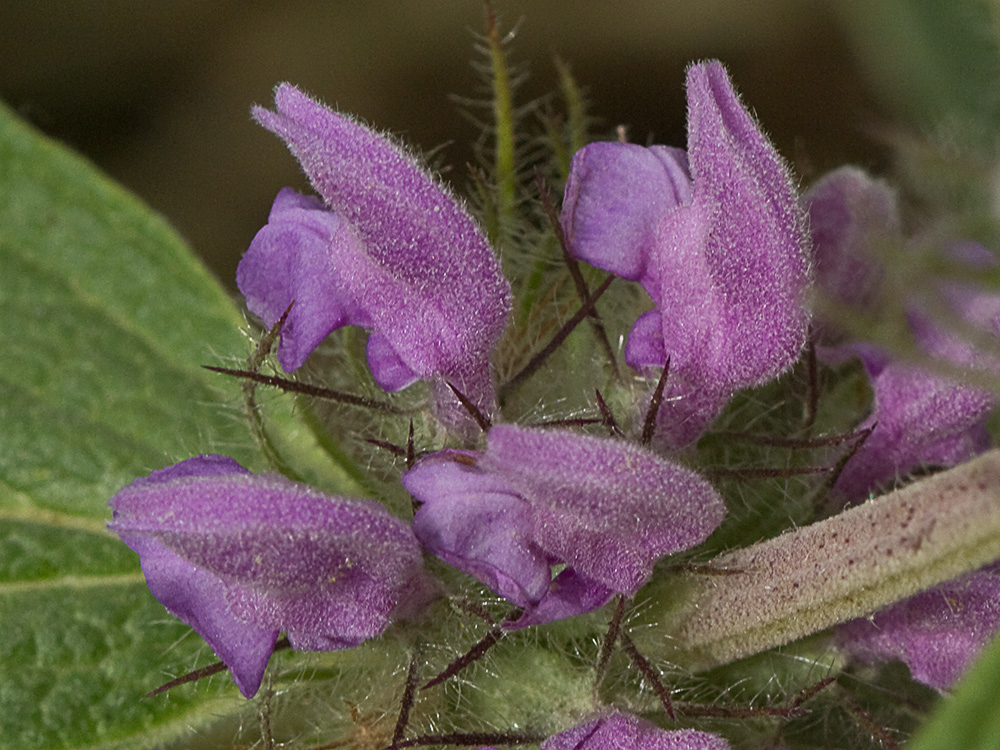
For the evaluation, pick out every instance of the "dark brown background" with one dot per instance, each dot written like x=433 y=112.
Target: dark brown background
x=158 y=93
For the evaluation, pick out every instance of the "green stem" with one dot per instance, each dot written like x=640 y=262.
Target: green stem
x=577 y=122
x=845 y=567
x=503 y=125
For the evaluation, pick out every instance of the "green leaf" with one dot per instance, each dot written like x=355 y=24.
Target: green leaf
x=107 y=319
x=970 y=717
x=931 y=60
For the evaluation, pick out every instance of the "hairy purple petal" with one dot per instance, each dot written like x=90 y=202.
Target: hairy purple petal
x=240 y=557
x=937 y=633
x=474 y=521
x=755 y=241
x=617 y=731
x=850 y=215
x=607 y=509
x=615 y=199
x=388 y=368
x=302 y=254
x=198 y=598
x=569 y=594
x=724 y=258
x=395 y=253
x=920 y=420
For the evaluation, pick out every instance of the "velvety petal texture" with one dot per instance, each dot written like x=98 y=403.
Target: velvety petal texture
x=920 y=418
x=241 y=557
x=473 y=521
x=389 y=249
x=620 y=732
x=606 y=509
x=718 y=240
x=853 y=219
x=294 y=257
x=616 y=196
x=937 y=633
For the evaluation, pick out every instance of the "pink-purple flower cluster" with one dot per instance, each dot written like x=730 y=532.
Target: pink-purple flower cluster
x=716 y=237
x=605 y=509
x=243 y=557
x=554 y=521
x=919 y=418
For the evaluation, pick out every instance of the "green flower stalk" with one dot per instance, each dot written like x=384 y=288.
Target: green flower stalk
x=846 y=566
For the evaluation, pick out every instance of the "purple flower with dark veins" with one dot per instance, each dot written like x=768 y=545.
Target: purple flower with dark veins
x=605 y=509
x=716 y=237
x=240 y=557
x=388 y=249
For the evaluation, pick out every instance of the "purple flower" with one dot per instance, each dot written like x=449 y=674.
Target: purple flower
x=920 y=418
x=617 y=731
x=851 y=217
x=606 y=509
x=388 y=249
x=716 y=237
x=240 y=557
x=937 y=633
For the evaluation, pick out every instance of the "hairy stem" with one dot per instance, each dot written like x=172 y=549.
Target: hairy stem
x=812 y=578
x=503 y=125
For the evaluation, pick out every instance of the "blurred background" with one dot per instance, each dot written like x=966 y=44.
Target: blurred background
x=158 y=93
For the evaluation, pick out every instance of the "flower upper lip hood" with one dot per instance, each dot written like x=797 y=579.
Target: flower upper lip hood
x=716 y=237
x=241 y=557
x=607 y=509
x=389 y=249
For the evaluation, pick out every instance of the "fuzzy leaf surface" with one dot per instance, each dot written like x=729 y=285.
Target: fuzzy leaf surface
x=107 y=319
